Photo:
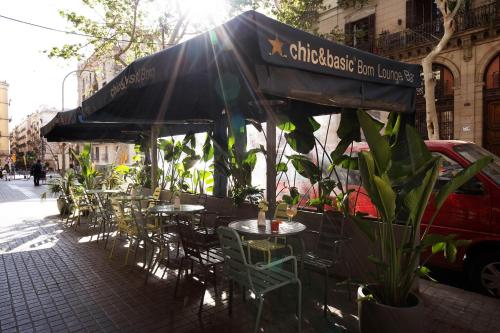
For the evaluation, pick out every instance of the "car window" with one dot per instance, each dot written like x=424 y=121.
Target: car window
x=449 y=167
x=472 y=153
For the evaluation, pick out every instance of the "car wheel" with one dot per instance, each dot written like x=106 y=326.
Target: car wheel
x=485 y=273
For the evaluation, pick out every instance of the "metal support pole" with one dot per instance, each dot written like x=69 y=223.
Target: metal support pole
x=154 y=156
x=271 y=165
x=220 y=136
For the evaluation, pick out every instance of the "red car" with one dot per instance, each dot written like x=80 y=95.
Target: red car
x=472 y=213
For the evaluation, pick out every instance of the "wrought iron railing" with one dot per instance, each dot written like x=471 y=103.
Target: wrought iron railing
x=431 y=32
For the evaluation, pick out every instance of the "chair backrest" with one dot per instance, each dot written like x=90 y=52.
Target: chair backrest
x=156 y=193
x=119 y=213
x=202 y=199
x=332 y=230
x=193 y=242
x=129 y=189
x=235 y=263
x=280 y=211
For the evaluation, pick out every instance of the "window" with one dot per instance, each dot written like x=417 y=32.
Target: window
x=96 y=154
x=361 y=34
x=106 y=154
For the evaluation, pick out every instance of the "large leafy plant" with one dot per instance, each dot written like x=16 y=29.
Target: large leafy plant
x=399 y=175
x=87 y=176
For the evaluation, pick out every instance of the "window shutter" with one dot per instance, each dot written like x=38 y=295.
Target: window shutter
x=410 y=13
x=371 y=32
x=348 y=31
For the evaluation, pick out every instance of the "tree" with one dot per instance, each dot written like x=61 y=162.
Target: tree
x=119 y=32
x=448 y=9
x=301 y=14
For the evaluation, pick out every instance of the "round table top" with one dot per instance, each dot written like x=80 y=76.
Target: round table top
x=104 y=191
x=132 y=197
x=185 y=208
x=250 y=227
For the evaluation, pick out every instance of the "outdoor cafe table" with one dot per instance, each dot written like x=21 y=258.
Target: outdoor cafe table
x=171 y=210
x=250 y=229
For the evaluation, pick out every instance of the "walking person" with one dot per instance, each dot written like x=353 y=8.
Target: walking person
x=37 y=172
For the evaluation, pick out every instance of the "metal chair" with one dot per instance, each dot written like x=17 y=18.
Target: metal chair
x=124 y=224
x=198 y=249
x=260 y=279
x=327 y=254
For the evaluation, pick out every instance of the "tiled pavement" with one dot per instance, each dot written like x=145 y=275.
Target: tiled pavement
x=53 y=279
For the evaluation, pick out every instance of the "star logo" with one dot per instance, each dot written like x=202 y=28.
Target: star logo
x=277 y=46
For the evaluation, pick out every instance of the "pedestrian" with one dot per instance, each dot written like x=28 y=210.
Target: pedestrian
x=37 y=172
x=5 y=174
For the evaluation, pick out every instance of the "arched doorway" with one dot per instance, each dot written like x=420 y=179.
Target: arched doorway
x=491 y=119
x=444 y=104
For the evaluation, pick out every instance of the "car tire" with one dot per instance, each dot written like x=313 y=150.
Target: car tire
x=484 y=273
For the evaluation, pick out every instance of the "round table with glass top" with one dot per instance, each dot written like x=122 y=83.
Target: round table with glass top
x=250 y=228
x=171 y=209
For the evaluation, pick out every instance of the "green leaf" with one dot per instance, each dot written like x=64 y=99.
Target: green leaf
x=417 y=150
x=189 y=161
x=387 y=198
x=287 y=126
x=314 y=124
x=189 y=139
x=306 y=168
x=379 y=145
x=301 y=142
x=281 y=167
x=122 y=169
x=338 y=153
x=460 y=179
x=349 y=127
x=208 y=149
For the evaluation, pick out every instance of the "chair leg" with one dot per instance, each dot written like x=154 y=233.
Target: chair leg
x=202 y=296
x=128 y=251
x=259 y=313
x=149 y=268
x=178 y=277
x=325 y=292
x=113 y=247
x=230 y=305
x=215 y=280
x=299 y=306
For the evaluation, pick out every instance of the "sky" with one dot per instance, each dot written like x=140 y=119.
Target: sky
x=35 y=81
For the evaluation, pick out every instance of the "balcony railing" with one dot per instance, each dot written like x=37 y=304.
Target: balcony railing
x=480 y=17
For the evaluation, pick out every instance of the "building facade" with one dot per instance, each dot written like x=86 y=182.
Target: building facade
x=467 y=71
x=93 y=75
x=4 y=122
x=27 y=144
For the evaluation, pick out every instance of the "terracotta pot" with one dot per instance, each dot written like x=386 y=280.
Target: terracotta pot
x=375 y=317
x=64 y=209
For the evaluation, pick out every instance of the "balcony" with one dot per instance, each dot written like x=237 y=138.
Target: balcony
x=429 y=33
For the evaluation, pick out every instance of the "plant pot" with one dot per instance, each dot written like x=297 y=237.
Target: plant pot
x=375 y=317
x=62 y=206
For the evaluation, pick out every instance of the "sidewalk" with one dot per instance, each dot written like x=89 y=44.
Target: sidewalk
x=53 y=279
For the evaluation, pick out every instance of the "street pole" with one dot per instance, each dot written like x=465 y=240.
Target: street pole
x=62 y=107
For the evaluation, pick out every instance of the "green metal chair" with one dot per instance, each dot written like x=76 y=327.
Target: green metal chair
x=260 y=279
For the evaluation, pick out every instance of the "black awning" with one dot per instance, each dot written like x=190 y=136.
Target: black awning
x=67 y=126
x=244 y=61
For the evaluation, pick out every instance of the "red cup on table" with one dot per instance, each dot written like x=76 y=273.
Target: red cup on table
x=275 y=225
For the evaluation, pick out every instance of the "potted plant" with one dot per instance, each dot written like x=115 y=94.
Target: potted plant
x=399 y=174
x=61 y=187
